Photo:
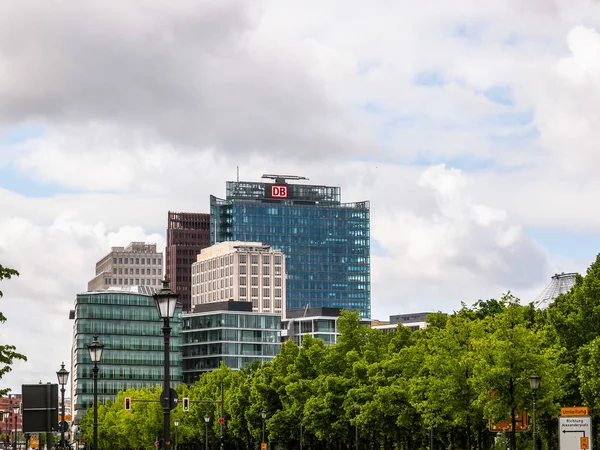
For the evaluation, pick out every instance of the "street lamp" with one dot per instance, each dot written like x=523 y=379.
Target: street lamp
x=534 y=383
x=95 y=349
x=166 y=301
x=6 y=415
x=176 y=423
x=62 y=376
x=15 y=416
x=264 y=416
x=206 y=420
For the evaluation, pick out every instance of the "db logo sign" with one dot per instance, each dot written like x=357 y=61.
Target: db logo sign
x=278 y=191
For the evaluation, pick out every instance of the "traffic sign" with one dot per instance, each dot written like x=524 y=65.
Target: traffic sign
x=572 y=429
x=584 y=443
x=263 y=446
x=156 y=443
x=221 y=420
x=575 y=411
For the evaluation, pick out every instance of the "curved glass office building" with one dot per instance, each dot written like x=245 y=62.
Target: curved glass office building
x=326 y=242
x=126 y=321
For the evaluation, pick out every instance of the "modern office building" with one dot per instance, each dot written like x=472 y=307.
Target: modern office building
x=126 y=321
x=227 y=332
x=321 y=323
x=240 y=271
x=414 y=321
x=137 y=264
x=326 y=242
x=187 y=235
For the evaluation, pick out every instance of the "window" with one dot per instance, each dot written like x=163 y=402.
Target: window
x=137 y=271
x=143 y=260
x=255 y=303
x=120 y=260
x=242 y=292
x=144 y=271
x=159 y=271
x=153 y=271
x=148 y=261
x=159 y=261
x=120 y=271
x=266 y=270
x=131 y=281
x=126 y=271
x=266 y=292
x=114 y=270
x=254 y=292
x=266 y=259
x=277 y=303
x=137 y=281
x=242 y=281
x=154 y=261
x=266 y=303
x=277 y=270
x=254 y=259
x=277 y=281
x=277 y=259
x=278 y=292
x=266 y=281
x=130 y=260
x=254 y=281
x=254 y=270
x=137 y=260
x=243 y=270
x=126 y=280
x=114 y=260
x=114 y=281
x=154 y=281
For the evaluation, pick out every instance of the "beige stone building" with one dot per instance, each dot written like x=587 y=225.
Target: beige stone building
x=138 y=264
x=240 y=271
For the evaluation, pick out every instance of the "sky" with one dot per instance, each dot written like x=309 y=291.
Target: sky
x=471 y=126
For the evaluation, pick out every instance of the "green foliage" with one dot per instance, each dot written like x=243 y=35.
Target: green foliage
x=393 y=389
x=8 y=353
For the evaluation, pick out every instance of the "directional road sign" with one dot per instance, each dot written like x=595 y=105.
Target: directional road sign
x=572 y=429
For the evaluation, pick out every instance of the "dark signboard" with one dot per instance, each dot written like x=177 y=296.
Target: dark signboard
x=40 y=408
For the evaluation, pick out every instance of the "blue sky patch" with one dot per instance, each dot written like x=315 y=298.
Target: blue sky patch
x=21 y=133
x=470 y=32
x=15 y=181
x=562 y=243
x=501 y=95
x=430 y=79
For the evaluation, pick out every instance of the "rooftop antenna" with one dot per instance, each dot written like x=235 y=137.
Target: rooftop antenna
x=281 y=179
x=238 y=173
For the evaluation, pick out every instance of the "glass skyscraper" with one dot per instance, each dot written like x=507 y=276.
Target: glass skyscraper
x=326 y=242
x=126 y=321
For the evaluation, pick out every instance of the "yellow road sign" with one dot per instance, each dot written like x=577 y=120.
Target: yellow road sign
x=584 y=443
x=67 y=417
x=575 y=411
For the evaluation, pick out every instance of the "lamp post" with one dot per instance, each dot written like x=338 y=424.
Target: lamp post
x=263 y=414
x=62 y=376
x=95 y=349
x=6 y=416
x=15 y=416
x=206 y=420
x=166 y=301
x=176 y=423
x=534 y=383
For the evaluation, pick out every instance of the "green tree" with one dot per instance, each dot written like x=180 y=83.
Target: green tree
x=8 y=353
x=510 y=350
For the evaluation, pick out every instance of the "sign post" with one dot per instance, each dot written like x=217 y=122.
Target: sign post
x=574 y=432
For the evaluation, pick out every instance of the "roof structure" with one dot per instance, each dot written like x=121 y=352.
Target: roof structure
x=561 y=283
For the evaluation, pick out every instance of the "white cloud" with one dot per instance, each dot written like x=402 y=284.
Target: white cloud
x=148 y=106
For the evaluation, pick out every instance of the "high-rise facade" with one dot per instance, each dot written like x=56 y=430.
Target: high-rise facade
x=326 y=242
x=126 y=321
x=227 y=332
x=240 y=271
x=137 y=264
x=187 y=235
